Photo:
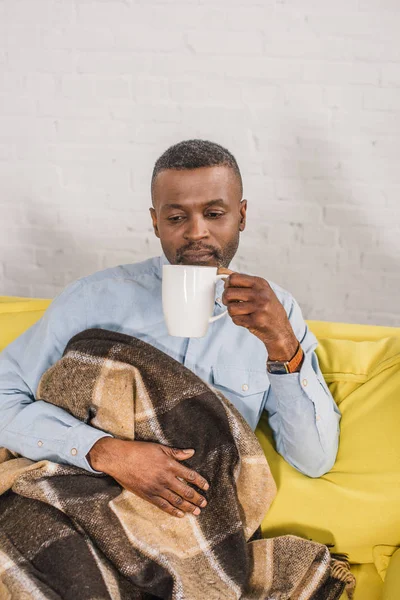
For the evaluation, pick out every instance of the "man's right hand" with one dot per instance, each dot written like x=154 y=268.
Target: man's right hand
x=153 y=472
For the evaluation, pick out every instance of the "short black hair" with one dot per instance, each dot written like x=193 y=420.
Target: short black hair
x=194 y=154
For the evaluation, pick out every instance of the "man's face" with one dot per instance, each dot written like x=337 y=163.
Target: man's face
x=198 y=215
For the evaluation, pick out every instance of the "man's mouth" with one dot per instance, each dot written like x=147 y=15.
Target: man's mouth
x=198 y=254
x=201 y=254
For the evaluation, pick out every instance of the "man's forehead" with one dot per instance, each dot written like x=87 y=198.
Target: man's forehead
x=203 y=185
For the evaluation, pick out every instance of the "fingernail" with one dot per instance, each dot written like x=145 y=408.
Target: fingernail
x=180 y=514
x=206 y=486
x=196 y=511
x=203 y=504
x=188 y=451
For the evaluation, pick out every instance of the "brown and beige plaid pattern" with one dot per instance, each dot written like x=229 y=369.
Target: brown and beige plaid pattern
x=67 y=533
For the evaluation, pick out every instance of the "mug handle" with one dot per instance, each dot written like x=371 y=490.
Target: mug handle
x=212 y=319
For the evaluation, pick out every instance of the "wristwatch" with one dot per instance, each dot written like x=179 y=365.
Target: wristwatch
x=278 y=367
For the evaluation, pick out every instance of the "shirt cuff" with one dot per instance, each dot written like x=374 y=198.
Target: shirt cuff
x=81 y=439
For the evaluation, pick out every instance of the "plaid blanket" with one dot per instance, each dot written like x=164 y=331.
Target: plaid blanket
x=67 y=533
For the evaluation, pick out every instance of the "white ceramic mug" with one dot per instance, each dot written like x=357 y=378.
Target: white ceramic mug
x=188 y=297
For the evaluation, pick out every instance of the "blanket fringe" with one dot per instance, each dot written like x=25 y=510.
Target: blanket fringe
x=340 y=570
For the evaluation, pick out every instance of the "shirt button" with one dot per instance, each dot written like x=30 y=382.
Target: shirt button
x=318 y=418
x=40 y=443
x=74 y=451
x=305 y=383
x=245 y=387
x=219 y=300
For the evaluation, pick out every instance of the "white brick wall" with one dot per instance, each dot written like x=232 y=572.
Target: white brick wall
x=306 y=94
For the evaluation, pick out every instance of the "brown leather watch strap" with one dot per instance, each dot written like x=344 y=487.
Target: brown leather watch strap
x=296 y=361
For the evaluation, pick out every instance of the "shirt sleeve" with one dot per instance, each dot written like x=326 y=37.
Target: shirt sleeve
x=36 y=429
x=302 y=413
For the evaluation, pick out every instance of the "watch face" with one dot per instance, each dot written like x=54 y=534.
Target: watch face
x=277 y=368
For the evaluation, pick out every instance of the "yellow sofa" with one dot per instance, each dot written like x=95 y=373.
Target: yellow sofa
x=356 y=506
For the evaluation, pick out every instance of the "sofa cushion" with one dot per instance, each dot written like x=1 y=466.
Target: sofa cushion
x=356 y=505
x=17 y=315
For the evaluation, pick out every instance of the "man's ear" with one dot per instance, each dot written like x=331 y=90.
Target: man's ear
x=243 y=211
x=154 y=219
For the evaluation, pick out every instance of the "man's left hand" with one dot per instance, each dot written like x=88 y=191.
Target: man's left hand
x=253 y=304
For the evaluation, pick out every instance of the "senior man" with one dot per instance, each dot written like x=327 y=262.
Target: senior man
x=262 y=357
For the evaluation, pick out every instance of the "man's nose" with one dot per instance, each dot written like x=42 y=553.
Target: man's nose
x=196 y=229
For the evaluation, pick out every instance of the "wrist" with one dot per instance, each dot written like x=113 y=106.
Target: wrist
x=282 y=349
x=100 y=456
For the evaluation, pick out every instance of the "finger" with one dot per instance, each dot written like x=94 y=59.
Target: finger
x=241 y=280
x=166 y=506
x=178 y=453
x=180 y=503
x=233 y=294
x=224 y=271
x=236 y=309
x=242 y=321
x=187 y=493
x=192 y=477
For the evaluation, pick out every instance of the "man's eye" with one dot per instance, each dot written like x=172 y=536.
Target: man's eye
x=215 y=215
x=176 y=219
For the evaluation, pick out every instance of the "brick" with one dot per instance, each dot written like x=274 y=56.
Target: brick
x=29 y=179
x=7 y=151
x=359 y=300
x=289 y=212
x=366 y=122
x=382 y=99
x=388 y=237
x=88 y=86
x=67 y=262
x=391 y=74
x=114 y=63
x=17 y=105
x=16 y=288
x=32 y=274
x=317 y=235
x=25 y=60
x=392 y=195
x=78 y=37
x=206 y=92
x=12 y=83
x=40 y=12
x=113 y=258
x=40 y=85
x=122 y=221
x=17 y=36
x=333 y=73
x=105 y=13
x=102 y=131
x=14 y=128
x=356 y=25
x=178 y=17
x=377 y=6
x=61 y=107
x=348 y=98
x=11 y=214
x=381 y=262
x=310 y=96
x=145 y=39
x=112 y=177
x=361 y=238
x=225 y=42
x=283 y=234
x=277 y=121
x=337 y=215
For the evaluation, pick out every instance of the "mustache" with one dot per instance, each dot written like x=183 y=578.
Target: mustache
x=197 y=248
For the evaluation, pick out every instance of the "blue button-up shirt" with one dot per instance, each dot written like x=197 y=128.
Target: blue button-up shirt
x=302 y=413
